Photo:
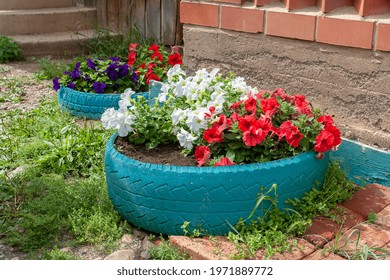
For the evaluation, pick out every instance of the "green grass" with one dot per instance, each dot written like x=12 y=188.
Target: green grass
x=167 y=251
x=60 y=196
x=49 y=69
x=11 y=89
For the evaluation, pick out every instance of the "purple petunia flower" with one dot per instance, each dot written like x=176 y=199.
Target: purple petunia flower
x=76 y=72
x=111 y=72
x=87 y=78
x=91 y=64
x=71 y=85
x=134 y=76
x=99 y=87
x=123 y=70
x=114 y=59
x=56 y=84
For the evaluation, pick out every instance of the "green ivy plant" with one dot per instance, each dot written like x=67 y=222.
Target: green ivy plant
x=9 y=50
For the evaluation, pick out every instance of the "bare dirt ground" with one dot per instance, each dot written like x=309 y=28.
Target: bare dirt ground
x=32 y=90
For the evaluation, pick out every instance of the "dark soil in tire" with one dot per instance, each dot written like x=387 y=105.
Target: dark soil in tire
x=166 y=154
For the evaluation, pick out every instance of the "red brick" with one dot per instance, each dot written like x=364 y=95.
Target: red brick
x=291 y=25
x=242 y=19
x=199 y=14
x=324 y=229
x=218 y=248
x=383 y=217
x=230 y=1
x=352 y=241
x=321 y=255
x=372 y=198
x=383 y=39
x=299 y=4
x=371 y=7
x=384 y=255
x=343 y=32
x=265 y=2
x=329 y=5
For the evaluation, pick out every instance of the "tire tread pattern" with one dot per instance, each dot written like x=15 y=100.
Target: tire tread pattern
x=161 y=198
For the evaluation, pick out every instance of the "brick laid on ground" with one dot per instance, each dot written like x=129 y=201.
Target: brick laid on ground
x=372 y=198
x=320 y=255
x=383 y=217
x=371 y=235
x=324 y=229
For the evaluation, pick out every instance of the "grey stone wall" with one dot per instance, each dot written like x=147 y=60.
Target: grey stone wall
x=351 y=84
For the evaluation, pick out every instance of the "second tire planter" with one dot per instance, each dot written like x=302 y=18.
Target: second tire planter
x=88 y=105
x=161 y=198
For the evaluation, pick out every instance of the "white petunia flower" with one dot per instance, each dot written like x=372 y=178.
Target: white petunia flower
x=178 y=115
x=110 y=118
x=125 y=100
x=196 y=120
x=125 y=122
x=186 y=139
x=175 y=71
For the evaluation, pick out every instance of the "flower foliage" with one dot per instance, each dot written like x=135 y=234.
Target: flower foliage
x=223 y=121
x=145 y=63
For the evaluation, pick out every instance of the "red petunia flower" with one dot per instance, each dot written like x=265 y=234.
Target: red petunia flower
x=223 y=123
x=175 y=58
x=326 y=120
x=235 y=117
x=224 y=162
x=302 y=104
x=291 y=132
x=152 y=77
x=133 y=47
x=245 y=123
x=328 y=138
x=236 y=105
x=202 y=154
x=251 y=105
x=154 y=48
x=293 y=139
x=254 y=136
x=269 y=106
x=131 y=58
x=157 y=56
x=213 y=135
x=212 y=111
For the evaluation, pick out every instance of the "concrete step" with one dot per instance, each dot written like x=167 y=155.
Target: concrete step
x=41 y=21
x=34 y=4
x=55 y=44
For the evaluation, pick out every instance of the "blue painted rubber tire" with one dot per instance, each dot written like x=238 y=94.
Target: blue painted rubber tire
x=161 y=198
x=86 y=104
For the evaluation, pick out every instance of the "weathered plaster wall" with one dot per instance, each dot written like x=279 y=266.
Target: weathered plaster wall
x=352 y=84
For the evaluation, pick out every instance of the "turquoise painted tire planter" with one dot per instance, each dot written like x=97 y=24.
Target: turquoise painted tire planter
x=88 y=105
x=161 y=198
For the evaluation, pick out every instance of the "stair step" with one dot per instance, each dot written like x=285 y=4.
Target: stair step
x=372 y=7
x=299 y=4
x=328 y=6
x=40 y=21
x=56 y=44
x=34 y=4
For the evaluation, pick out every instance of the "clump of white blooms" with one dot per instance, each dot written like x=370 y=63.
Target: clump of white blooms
x=197 y=99
x=123 y=118
x=191 y=103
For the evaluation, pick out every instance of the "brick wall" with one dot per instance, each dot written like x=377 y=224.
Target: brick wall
x=353 y=23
